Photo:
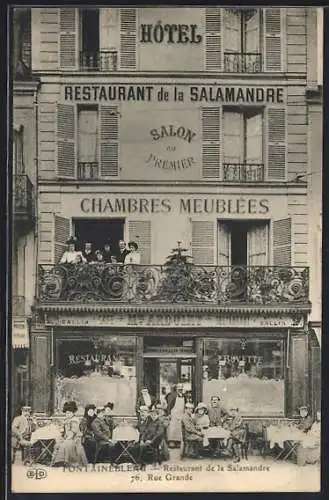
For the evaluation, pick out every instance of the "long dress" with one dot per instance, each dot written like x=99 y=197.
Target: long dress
x=176 y=416
x=69 y=450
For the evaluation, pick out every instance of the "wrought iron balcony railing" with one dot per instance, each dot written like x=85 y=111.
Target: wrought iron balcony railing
x=87 y=170
x=109 y=283
x=103 y=60
x=242 y=62
x=18 y=305
x=23 y=197
x=243 y=172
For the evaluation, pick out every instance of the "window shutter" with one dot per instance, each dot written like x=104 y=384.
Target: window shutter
x=211 y=157
x=224 y=244
x=213 y=39
x=276 y=144
x=68 y=21
x=140 y=231
x=66 y=153
x=282 y=242
x=62 y=228
x=203 y=242
x=257 y=238
x=273 y=40
x=128 y=38
x=109 y=143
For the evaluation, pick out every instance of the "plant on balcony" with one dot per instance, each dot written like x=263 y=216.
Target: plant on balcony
x=177 y=275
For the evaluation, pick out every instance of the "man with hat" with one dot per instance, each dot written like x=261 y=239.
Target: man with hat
x=87 y=253
x=152 y=432
x=175 y=409
x=193 y=437
x=70 y=255
x=108 y=418
x=305 y=422
x=22 y=427
x=122 y=253
x=217 y=413
x=103 y=435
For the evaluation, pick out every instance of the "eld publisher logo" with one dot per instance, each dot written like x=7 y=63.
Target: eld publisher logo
x=36 y=473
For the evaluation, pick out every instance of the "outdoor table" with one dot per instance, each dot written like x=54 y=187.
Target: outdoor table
x=44 y=438
x=217 y=432
x=125 y=437
x=280 y=435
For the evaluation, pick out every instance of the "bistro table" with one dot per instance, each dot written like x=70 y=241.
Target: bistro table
x=42 y=443
x=284 y=434
x=217 y=433
x=126 y=437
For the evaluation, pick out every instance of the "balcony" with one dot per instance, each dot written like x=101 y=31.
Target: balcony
x=87 y=170
x=177 y=284
x=23 y=205
x=104 y=60
x=243 y=172
x=242 y=62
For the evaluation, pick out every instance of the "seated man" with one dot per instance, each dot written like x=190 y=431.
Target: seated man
x=217 y=416
x=103 y=436
x=305 y=421
x=22 y=427
x=192 y=436
x=152 y=433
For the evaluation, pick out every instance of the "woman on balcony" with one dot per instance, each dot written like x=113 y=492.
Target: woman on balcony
x=133 y=257
x=70 y=256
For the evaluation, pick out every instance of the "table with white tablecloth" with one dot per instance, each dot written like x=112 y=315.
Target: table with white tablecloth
x=284 y=434
x=126 y=438
x=43 y=441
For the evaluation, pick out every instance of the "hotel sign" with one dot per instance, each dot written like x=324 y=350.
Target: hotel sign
x=169 y=320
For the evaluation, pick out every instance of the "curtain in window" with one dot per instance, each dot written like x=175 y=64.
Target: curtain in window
x=254 y=138
x=88 y=132
x=232 y=30
x=233 y=137
x=252 y=31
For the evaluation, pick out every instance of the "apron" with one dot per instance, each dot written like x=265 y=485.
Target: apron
x=175 y=426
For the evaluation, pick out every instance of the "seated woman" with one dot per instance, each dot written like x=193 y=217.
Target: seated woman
x=192 y=436
x=88 y=439
x=309 y=449
x=305 y=421
x=202 y=421
x=103 y=436
x=69 y=450
x=133 y=257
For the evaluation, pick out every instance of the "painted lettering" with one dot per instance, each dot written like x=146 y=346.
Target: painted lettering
x=169 y=33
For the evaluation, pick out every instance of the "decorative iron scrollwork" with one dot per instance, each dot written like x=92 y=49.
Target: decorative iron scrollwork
x=185 y=283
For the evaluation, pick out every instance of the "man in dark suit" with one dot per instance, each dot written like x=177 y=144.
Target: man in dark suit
x=108 y=418
x=88 y=253
x=123 y=251
x=152 y=432
x=103 y=436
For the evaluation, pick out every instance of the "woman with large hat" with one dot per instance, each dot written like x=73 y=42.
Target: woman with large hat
x=69 y=450
x=70 y=256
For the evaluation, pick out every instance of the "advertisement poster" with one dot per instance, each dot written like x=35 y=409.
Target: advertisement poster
x=166 y=249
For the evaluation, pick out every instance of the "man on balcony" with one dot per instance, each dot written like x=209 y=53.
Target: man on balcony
x=88 y=253
x=123 y=252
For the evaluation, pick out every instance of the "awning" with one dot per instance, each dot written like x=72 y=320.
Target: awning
x=20 y=333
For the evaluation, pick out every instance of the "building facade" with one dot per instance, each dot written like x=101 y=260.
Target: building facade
x=24 y=153
x=185 y=130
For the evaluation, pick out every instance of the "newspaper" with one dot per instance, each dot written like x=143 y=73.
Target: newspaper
x=166 y=248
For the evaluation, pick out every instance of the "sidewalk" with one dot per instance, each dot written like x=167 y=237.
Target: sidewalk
x=217 y=475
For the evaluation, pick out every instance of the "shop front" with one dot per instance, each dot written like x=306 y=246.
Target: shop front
x=255 y=361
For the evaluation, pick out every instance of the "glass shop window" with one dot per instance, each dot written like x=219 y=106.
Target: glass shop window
x=248 y=374
x=97 y=371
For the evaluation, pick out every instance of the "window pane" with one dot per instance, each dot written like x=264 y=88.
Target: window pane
x=232 y=30
x=248 y=375
x=254 y=138
x=97 y=371
x=252 y=31
x=88 y=125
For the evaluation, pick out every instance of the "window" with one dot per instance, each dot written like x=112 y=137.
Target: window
x=243 y=144
x=248 y=374
x=242 y=35
x=97 y=370
x=98 y=39
x=88 y=142
x=242 y=243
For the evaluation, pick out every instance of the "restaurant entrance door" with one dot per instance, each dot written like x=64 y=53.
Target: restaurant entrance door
x=161 y=374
